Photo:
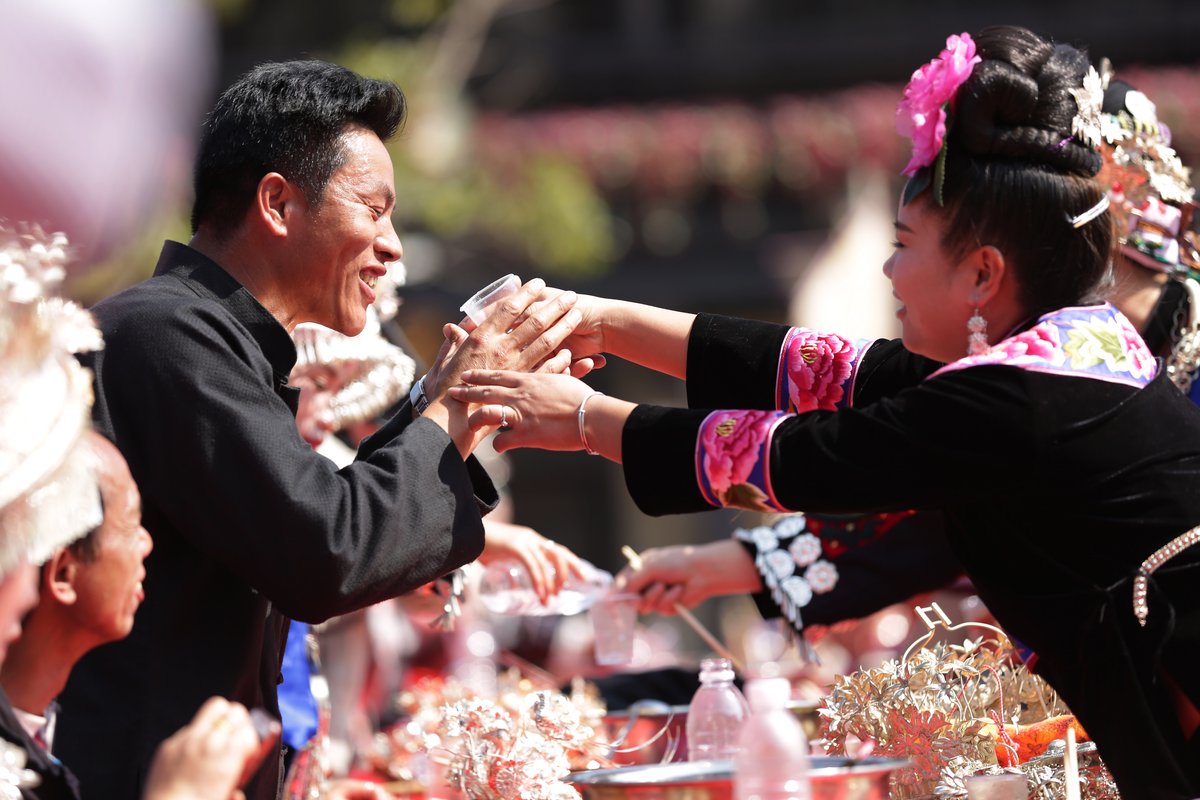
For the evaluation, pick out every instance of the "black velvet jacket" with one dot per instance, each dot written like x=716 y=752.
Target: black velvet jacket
x=250 y=526
x=1054 y=489
x=883 y=559
x=57 y=782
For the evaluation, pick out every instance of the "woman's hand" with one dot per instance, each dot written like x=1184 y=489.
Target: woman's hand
x=547 y=562
x=653 y=337
x=534 y=410
x=210 y=757
x=587 y=340
x=689 y=574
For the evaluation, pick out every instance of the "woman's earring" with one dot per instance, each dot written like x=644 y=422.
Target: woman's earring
x=977 y=338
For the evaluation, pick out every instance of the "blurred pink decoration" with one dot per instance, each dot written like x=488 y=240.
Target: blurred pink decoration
x=101 y=112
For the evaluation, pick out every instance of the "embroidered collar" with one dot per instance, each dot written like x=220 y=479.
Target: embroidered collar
x=1094 y=342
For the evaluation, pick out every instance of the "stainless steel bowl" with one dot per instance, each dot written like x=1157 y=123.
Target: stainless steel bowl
x=831 y=778
x=647 y=733
x=649 y=730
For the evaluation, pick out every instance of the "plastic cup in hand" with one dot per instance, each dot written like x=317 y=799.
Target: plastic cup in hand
x=478 y=307
x=1002 y=786
x=614 y=624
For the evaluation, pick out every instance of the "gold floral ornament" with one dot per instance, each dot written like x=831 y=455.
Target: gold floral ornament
x=48 y=493
x=953 y=710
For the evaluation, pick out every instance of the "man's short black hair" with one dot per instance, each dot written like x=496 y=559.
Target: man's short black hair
x=288 y=118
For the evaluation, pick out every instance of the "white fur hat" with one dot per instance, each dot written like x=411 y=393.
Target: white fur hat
x=48 y=491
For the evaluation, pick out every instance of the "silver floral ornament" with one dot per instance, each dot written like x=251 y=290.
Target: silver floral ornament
x=797 y=590
x=764 y=538
x=791 y=525
x=822 y=576
x=1089 y=98
x=805 y=549
x=780 y=563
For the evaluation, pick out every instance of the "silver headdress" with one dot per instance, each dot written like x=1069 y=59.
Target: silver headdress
x=48 y=491
x=1150 y=188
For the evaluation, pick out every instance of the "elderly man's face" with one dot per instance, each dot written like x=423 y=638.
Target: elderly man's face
x=343 y=246
x=109 y=585
x=18 y=594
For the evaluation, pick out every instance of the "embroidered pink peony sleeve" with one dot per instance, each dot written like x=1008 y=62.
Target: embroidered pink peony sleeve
x=733 y=459
x=816 y=371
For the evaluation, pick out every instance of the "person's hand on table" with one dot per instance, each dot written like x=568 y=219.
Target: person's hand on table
x=689 y=574
x=210 y=757
x=547 y=562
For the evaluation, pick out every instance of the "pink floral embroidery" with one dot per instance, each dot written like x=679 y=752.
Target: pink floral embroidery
x=1090 y=342
x=732 y=443
x=1039 y=342
x=921 y=114
x=818 y=366
x=1141 y=360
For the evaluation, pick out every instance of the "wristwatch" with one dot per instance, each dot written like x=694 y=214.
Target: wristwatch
x=418 y=398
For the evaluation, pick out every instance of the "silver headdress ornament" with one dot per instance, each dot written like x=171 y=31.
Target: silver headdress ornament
x=1089 y=98
x=48 y=491
x=372 y=372
x=1153 y=200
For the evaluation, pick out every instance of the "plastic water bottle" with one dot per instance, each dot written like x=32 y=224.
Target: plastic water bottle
x=772 y=760
x=506 y=588
x=716 y=714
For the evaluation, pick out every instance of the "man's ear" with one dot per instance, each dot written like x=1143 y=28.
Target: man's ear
x=273 y=199
x=58 y=577
x=988 y=273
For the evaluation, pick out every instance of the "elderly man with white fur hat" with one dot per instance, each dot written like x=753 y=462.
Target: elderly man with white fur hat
x=52 y=468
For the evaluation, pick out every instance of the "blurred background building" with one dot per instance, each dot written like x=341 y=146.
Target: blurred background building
x=734 y=156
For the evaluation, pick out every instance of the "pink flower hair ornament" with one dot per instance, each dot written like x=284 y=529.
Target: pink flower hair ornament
x=924 y=114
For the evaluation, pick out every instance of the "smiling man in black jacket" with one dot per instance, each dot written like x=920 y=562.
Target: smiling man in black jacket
x=294 y=194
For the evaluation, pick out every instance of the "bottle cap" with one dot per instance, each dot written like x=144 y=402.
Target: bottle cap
x=715 y=669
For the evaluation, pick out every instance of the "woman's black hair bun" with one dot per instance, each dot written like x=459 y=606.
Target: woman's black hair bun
x=1021 y=108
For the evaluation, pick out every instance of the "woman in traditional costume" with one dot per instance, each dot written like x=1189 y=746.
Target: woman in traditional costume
x=1035 y=418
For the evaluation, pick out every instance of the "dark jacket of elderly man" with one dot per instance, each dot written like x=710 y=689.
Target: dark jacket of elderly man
x=294 y=194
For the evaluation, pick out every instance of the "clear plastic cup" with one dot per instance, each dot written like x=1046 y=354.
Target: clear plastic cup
x=477 y=308
x=614 y=625
x=1002 y=786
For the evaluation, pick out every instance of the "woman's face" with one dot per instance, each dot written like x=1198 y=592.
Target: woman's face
x=933 y=287
x=314 y=415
